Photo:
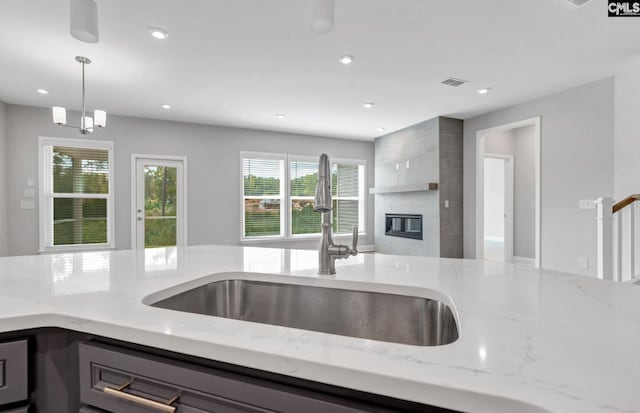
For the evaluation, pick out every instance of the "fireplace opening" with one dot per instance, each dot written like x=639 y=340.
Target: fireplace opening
x=404 y=225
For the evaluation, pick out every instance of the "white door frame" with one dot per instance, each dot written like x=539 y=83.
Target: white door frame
x=508 y=204
x=481 y=136
x=134 y=193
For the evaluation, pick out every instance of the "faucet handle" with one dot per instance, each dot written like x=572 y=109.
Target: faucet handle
x=354 y=242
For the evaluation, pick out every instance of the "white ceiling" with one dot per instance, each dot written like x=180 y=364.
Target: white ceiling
x=240 y=62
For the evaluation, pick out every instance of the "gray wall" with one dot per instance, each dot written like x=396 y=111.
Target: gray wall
x=577 y=163
x=3 y=179
x=499 y=142
x=524 y=194
x=213 y=170
x=519 y=143
x=627 y=131
x=417 y=144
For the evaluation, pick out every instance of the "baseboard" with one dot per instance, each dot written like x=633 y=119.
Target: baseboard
x=524 y=260
x=635 y=280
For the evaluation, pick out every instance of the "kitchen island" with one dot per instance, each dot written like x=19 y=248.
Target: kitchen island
x=530 y=340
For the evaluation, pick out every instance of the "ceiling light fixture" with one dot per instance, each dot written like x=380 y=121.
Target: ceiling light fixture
x=346 y=59
x=87 y=123
x=84 y=20
x=165 y=106
x=483 y=91
x=42 y=91
x=158 y=33
x=281 y=116
x=368 y=105
x=322 y=12
x=380 y=129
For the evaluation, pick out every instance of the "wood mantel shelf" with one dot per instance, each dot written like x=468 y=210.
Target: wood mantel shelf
x=429 y=186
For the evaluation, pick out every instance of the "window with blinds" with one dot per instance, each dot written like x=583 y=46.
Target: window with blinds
x=76 y=194
x=303 y=177
x=263 y=180
x=295 y=197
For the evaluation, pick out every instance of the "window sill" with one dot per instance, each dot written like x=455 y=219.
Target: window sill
x=297 y=238
x=79 y=248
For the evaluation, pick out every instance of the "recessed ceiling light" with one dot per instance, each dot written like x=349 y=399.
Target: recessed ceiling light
x=158 y=33
x=368 y=105
x=483 y=91
x=281 y=116
x=43 y=91
x=346 y=59
x=380 y=129
x=165 y=106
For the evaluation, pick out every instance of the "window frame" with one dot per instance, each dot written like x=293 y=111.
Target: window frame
x=286 y=198
x=46 y=195
x=283 y=186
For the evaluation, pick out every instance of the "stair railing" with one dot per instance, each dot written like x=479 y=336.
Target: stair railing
x=618 y=230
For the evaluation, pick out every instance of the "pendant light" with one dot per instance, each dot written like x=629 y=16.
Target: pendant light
x=87 y=123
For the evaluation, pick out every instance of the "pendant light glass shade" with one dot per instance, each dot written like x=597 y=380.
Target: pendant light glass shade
x=100 y=118
x=322 y=12
x=59 y=115
x=84 y=20
x=88 y=123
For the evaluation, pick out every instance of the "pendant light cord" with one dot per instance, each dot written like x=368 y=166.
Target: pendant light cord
x=82 y=118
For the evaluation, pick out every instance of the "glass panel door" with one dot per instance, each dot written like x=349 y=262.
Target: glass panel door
x=159 y=203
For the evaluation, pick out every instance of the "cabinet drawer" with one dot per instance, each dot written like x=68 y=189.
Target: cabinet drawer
x=127 y=381
x=13 y=371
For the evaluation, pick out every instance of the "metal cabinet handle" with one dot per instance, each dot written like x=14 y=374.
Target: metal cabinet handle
x=119 y=393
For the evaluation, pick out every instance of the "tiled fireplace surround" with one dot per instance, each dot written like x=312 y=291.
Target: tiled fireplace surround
x=430 y=151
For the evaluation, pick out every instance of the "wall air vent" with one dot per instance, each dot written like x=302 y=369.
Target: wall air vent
x=452 y=81
x=576 y=3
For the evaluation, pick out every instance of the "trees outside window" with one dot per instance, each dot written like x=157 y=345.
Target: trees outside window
x=264 y=183
x=76 y=200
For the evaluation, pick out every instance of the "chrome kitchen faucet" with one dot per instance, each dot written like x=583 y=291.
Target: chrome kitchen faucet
x=329 y=252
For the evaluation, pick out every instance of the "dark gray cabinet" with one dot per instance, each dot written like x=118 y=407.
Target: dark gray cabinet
x=13 y=372
x=51 y=370
x=24 y=409
x=87 y=409
x=125 y=381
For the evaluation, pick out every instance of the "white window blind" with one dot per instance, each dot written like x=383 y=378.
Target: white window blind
x=76 y=206
x=347 y=186
x=303 y=177
x=262 y=195
x=295 y=199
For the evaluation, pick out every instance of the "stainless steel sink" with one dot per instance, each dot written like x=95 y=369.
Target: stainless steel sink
x=372 y=315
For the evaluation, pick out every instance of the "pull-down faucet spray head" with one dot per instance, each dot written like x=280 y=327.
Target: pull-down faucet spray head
x=322 y=201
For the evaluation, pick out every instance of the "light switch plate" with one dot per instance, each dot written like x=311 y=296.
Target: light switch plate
x=31 y=182
x=587 y=204
x=583 y=262
x=27 y=204
x=29 y=193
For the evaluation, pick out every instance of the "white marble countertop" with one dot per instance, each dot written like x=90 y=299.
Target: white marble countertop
x=530 y=341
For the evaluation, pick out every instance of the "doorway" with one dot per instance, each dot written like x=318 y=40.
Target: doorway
x=498 y=207
x=159 y=201
x=504 y=148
